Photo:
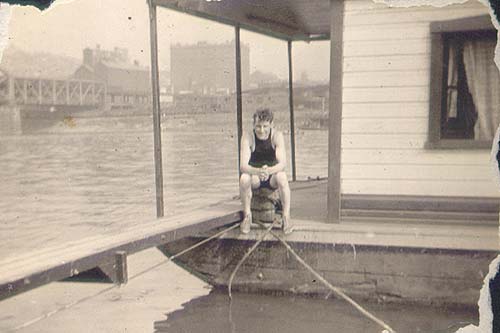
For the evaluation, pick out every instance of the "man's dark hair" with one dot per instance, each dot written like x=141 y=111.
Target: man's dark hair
x=263 y=115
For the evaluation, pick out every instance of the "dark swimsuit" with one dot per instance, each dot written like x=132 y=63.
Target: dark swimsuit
x=264 y=154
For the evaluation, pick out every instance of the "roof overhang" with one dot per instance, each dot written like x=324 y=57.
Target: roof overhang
x=295 y=20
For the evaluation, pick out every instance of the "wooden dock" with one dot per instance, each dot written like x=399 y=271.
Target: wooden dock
x=435 y=226
x=22 y=272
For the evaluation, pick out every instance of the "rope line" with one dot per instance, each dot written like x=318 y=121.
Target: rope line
x=249 y=252
x=336 y=290
x=192 y=247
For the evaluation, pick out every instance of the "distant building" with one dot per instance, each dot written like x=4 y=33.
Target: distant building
x=260 y=79
x=127 y=83
x=207 y=69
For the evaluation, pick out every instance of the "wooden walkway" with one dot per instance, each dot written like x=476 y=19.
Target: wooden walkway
x=38 y=267
x=429 y=223
x=309 y=203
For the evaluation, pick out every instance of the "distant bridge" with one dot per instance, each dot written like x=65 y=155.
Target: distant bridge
x=51 y=92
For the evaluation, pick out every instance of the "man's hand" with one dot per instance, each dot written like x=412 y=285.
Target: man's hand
x=263 y=173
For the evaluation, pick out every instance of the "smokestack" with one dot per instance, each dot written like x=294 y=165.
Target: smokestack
x=88 y=57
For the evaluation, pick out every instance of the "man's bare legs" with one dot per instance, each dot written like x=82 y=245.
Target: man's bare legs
x=247 y=182
x=280 y=181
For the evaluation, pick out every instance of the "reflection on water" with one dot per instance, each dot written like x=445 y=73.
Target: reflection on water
x=62 y=183
x=262 y=313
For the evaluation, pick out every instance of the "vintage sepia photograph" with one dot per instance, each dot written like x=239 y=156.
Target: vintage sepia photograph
x=249 y=166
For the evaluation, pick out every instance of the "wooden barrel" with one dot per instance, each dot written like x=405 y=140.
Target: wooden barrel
x=264 y=205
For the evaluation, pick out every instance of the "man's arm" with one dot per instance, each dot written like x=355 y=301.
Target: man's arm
x=279 y=146
x=245 y=154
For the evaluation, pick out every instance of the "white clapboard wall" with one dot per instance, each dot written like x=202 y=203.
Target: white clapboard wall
x=386 y=106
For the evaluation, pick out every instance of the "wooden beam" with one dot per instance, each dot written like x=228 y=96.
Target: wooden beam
x=483 y=22
x=156 y=109
x=292 y=117
x=219 y=13
x=335 y=113
x=121 y=267
x=436 y=87
x=239 y=106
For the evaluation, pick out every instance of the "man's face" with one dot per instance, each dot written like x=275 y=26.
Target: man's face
x=262 y=129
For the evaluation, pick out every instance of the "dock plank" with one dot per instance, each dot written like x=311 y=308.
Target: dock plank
x=18 y=274
x=389 y=234
x=100 y=242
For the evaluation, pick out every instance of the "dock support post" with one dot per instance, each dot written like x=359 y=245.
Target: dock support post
x=292 y=117
x=115 y=267
x=121 y=267
x=335 y=113
x=239 y=107
x=156 y=109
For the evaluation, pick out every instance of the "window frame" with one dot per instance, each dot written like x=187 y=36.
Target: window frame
x=438 y=31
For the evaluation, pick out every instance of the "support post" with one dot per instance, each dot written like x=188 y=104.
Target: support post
x=156 y=109
x=292 y=117
x=335 y=112
x=121 y=267
x=239 y=107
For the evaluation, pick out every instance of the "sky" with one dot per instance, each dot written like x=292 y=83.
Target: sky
x=69 y=26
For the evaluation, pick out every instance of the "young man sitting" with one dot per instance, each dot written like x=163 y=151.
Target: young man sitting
x=262 y=164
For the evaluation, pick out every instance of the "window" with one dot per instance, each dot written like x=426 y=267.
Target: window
x=465 y=84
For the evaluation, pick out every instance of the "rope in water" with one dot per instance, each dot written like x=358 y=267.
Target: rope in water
x=336 y=290
x=102 y=291
x=249 y=252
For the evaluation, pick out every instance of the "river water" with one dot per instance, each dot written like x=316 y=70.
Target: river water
x=71 y=178
x=263 y=313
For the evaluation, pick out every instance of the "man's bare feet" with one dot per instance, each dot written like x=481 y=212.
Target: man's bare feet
x=287 y=225
x=246 y=224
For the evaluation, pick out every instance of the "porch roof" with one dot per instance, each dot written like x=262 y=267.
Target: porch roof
x=298 y=20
